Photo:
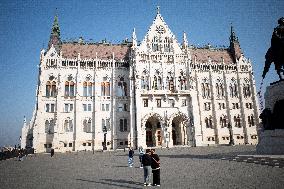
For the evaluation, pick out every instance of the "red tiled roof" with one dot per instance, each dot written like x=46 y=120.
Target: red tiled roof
x=202 y=55
x=104 y=51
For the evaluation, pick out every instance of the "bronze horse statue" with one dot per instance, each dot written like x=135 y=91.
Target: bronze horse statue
x=276 y=52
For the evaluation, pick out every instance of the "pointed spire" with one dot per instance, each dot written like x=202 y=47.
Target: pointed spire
x=233 y=37
x=55 y=28
x=235 y=47
x=134 y=38
x=55 y=35
x=185 y=42
x=158 y=9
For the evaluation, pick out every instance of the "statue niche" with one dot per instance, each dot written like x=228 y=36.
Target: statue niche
x=275 y=53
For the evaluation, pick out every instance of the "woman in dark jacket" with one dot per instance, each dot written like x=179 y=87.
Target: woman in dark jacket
x=155 y=165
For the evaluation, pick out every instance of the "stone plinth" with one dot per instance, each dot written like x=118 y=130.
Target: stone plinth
x=274 y=93
x=271 y=142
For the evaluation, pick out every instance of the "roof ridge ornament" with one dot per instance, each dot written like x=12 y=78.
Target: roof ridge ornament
x=158 y=9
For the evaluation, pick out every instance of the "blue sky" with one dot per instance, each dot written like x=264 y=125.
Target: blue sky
x=25 y=28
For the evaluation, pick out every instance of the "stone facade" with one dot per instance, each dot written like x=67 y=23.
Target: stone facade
x=154 y=93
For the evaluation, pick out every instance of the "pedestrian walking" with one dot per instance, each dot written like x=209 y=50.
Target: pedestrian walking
x=155 y=165
x=130 y=157
x=51 y=152
x=141 y=153
x=146 y=161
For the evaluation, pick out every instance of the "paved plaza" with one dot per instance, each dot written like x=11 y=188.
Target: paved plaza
x=200 y=167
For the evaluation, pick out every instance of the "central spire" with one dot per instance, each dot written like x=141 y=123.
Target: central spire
x=55 y=35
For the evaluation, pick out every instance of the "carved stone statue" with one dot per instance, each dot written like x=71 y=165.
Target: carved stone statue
x=276 y=52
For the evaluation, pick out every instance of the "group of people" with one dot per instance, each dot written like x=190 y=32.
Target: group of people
x=150 y=162
x=18 y=152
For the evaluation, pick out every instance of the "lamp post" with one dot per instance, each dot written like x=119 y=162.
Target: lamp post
x=231 y=134
x=105 y=133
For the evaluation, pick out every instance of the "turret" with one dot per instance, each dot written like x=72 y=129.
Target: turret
x=184 y=42
x=55 y=35
x=134 y=39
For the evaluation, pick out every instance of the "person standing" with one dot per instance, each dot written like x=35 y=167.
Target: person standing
x=146 y=161
x=130 y=157
x=155 y=165
x=141 y=153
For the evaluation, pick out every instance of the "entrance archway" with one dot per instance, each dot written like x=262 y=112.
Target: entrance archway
x=153 y=132
x=179 y=131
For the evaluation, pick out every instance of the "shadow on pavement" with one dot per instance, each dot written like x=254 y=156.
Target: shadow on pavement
x=117 y=183
x=207 y=156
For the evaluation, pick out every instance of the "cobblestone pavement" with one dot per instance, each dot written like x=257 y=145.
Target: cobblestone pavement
x=200 y=167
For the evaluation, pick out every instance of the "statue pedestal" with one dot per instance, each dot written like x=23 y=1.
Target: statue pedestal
x=272 y=141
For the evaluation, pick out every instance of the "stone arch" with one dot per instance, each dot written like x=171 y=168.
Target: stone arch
x=179 y=114
x=147 y=116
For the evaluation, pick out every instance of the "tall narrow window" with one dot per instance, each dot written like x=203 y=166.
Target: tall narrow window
x=85 y=89
x=90 y=89
x=103 y=124
x=155 y=83
x=69 y=89
x=48 y=89
x=125 y=125
x=160 y=83
x=108 y=124
x=145 y=102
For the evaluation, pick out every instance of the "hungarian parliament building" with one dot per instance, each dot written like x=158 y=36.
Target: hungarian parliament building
x=155 y=93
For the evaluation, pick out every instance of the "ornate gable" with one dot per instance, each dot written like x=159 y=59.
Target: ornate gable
x=159 y=38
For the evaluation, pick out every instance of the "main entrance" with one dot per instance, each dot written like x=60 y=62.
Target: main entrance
x=153 y=132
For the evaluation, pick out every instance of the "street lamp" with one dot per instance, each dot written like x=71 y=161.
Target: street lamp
x=105 y=133
x=231 y=134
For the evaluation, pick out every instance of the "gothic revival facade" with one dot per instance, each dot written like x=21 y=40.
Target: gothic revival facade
x=157 y=93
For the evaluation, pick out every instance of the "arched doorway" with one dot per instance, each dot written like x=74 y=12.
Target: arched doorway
x=179 y=131
x=153 y=132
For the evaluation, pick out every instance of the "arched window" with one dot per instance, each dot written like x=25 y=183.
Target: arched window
x=171 y=84
x=246 y=89
x=87 y=125
x=207 y=122
x=69 y=89
x=155 y=83
x=143 y=83
x=167 y=83
x=50 y=89
x=145 y=80
x=237 y=120
x=220 y=89
x=85 y=88
x=223 y=121
x=210 y=122
x=46 y=126
x=155 y=45
x=182 y=82
x=90 y=89
x=160 y=85
x=122 y=87
x=49 y=126
x=68 y=125
x=205 y=89
x=105 y=87
x=250 y=120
